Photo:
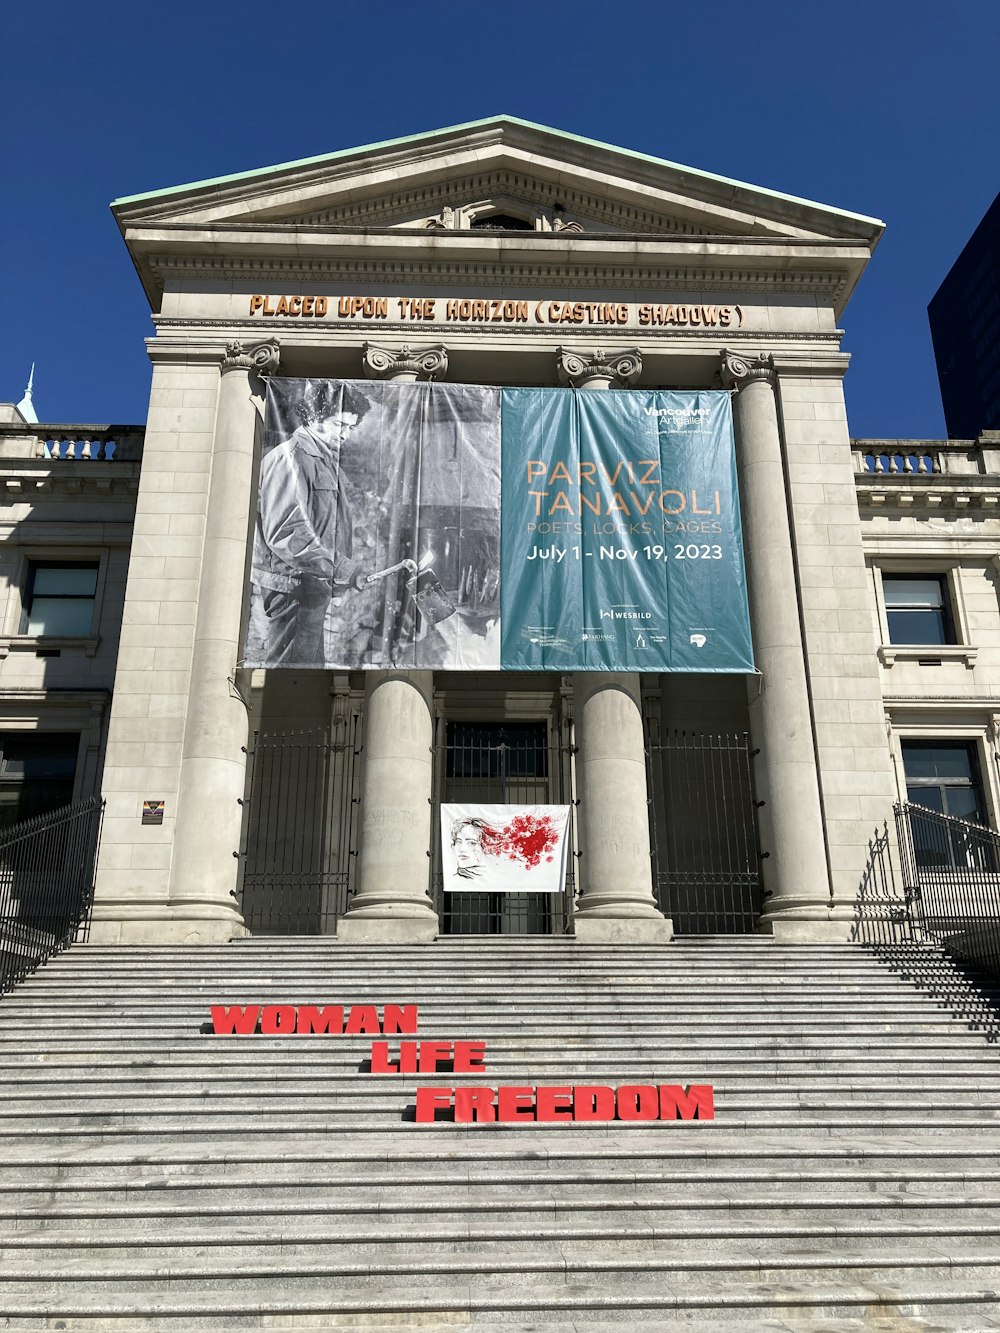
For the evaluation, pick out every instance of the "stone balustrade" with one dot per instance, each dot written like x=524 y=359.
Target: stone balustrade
x=71 y=443
x=884 y=459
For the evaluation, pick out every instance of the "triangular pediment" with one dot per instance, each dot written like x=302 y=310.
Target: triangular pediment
x=456 y=179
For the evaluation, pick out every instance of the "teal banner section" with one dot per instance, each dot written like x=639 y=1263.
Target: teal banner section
x=621 y=546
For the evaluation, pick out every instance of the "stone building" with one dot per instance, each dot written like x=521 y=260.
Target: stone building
x=305 y=801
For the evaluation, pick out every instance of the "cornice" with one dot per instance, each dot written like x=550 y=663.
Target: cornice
x=294 y=332
x=929 y=494
x=67 y=532
x=29 y=479
x=823 y=283
x=951 y=702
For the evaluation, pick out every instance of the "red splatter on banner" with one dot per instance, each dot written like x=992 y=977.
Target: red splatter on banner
x=527 y=838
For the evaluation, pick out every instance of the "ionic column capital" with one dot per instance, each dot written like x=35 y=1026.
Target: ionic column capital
x=405 y=363
x=262 y=358
x=598 y=370
x=739 y=371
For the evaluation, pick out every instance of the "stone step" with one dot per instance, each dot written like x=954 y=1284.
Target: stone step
x=816 y=1231
x=966 y=1044
x=86 y=1070
x=476 y=1026
x=90 y=1138
x=389 y=1190
x=763 y=1084
x=665 y=1218
x=772 y=1259
x=363 y=1300
x=759 y=1322
x=450 y=999
x=159 y=1177
x=548 y=980
x=681 y=1147
x=449 y=1170
x=355 y=1107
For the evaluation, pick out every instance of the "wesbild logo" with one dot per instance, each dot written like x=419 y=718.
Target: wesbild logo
x=626 y=615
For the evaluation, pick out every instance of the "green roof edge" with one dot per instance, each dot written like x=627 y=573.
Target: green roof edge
x=476 y=124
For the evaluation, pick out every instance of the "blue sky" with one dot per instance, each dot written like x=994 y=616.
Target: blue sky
x=881 y=107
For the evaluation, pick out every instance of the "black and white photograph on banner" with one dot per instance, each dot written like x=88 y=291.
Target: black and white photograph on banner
x=377 y=535
x=504 y=848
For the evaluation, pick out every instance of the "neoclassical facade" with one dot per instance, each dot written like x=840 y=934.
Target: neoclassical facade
x=504 y=253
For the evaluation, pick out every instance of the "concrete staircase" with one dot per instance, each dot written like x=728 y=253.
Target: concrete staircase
x=157 y=1177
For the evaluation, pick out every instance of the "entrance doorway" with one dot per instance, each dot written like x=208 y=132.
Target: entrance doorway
x=502 y=763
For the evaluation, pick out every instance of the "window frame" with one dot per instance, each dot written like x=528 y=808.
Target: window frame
x=38 y=733
x=15 y=639
x=955 y=726
x=976 y=784
x=34 y=567
x=948 y=571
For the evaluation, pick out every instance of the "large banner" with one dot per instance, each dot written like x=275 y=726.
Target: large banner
x=466 y=528
x=504 y=848
x=377 y=540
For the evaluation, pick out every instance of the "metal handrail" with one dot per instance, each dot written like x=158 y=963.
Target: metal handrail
x=951 y=873
x=46 y=886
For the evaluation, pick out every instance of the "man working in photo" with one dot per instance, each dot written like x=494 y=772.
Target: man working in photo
x=304 y=532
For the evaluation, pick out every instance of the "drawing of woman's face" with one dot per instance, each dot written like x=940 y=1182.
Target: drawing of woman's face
x=468 y=843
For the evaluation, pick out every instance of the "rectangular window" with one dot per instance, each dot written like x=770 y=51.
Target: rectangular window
x=916 y=608
x=60 y=599
x=37 y=772
x=944 y=776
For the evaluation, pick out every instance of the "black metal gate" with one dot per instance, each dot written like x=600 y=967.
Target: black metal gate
x=703 y=829
x=502 y=763
x=299 y=830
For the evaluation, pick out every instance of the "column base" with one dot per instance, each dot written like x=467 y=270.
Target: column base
x=799 y=921
x=623 y=929
x=358 y=929
x=164 y=928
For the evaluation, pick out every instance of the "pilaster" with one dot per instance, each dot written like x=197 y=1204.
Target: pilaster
x=204 y=871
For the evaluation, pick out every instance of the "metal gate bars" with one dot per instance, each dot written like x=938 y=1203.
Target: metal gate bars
x=703 y=829
x=299 y=839
x=298 y=830
x=502 y=763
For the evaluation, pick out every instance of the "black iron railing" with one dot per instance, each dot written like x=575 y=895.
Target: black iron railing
x=951 y=876
x=949 y=951
x=703 y=825
x=46 y=886
x=883 y=913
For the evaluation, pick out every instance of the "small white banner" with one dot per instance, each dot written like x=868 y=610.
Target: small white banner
x=504 y=848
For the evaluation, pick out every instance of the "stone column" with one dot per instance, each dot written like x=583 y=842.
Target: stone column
x=391 y=902
x=796 y=876
x=616 y=901
x=213 y=763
